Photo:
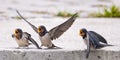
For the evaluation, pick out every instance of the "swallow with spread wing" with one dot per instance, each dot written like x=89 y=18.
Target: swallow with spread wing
x=93 y=40
x=23 y=38
x=45 y=36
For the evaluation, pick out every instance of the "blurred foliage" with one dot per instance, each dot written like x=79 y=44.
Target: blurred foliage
x=16 y=17
x=40 y=12
x=1 y=12
x=113 y=11
x=65 y=14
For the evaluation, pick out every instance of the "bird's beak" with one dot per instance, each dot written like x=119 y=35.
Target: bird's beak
x=15 y=33
x=81 y=33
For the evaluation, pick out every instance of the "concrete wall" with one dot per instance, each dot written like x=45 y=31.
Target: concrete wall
x=57 y=55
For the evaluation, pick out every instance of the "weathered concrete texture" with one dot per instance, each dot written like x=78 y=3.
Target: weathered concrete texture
x=58 y=55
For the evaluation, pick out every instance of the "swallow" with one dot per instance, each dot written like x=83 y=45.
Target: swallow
x=45 y=36
x=93 y=40
x=23 y=38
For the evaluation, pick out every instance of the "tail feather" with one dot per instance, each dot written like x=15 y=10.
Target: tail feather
x=109 y=45
x=106 y=45
x=103 y=45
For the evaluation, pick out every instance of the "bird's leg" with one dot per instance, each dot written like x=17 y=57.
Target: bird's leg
x=50 y=47
x=53 y=46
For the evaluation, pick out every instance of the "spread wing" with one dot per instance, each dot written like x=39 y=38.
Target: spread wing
x=60 y=29
x=101 y=39
x=33 y=27
x=28 y=37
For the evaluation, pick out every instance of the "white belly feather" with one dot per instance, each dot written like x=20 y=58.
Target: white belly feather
x=23 y=42
x=86 y=41
x=46 y=41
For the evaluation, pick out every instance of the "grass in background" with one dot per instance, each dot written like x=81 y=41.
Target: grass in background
x=16 y=17
x=113 y=11
x=1 y=12
x=65 y=14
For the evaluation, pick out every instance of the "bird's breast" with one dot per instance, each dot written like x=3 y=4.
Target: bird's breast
x=46 y=41
x=85 y=41
x=23 y=42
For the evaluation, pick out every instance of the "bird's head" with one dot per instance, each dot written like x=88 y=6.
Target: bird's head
x=83 y=32
x=18 y=33
x=42 y=30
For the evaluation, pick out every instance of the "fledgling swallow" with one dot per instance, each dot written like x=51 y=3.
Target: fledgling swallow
x=45 y=36
x=23 y=38
x=93 y=40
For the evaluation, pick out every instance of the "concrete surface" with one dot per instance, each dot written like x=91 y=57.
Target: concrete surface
x=57 y=55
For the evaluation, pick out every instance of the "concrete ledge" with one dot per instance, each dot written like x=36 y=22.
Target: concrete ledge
x=57 y=54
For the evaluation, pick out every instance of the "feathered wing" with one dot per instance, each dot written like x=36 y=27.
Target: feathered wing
x=88 y=47
x=101 y=39
x=60 y=29
x=93 y=40
x=28 y=37
x=96 y=41
x=33 y=27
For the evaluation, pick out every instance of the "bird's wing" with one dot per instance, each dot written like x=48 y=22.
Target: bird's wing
x=28 y=37
x=96 y=41
x=93 y=39
x=60 y=29
x=88 y=47
x=33 y=27
x=101 y=39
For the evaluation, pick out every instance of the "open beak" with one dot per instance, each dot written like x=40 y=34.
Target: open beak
x=39 y=30
x=16 y=33
x=81 y=33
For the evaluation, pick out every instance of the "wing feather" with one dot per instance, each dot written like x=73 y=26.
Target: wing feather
x=101 y=39
x=93 y=39
x=33 y=27
x=28 y=37
x=60 y=29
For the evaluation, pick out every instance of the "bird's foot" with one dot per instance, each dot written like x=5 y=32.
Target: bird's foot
x=55 y=47
x=50 y=47
x=39 y=47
